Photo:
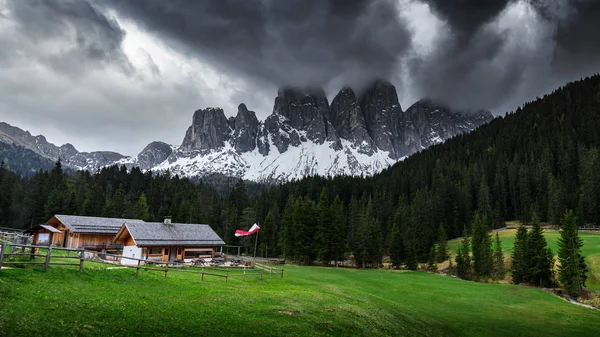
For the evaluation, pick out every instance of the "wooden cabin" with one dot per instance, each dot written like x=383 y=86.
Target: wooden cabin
x=72 y=231
x=166 y=241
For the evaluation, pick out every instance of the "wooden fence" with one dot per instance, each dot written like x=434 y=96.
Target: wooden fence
x=271 y=270
x=8 y=250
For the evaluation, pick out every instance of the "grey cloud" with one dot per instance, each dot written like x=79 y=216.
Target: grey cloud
x=481 y=67
x=91 y=38
x=292 y=42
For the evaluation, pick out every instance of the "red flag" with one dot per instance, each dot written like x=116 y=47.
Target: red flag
x=252 y=230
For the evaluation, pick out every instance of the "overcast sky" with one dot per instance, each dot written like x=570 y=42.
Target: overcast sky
x=118 y=74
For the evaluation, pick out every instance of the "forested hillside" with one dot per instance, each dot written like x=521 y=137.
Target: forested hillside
x=542 y=158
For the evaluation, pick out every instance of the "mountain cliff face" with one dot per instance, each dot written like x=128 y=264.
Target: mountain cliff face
x=304 y=135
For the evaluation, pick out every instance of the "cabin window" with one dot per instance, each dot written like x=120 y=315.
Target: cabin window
x=155 y=251
x=166 y=251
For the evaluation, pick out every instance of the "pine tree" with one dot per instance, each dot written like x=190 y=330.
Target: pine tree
x=397 y=249
x=572 y=272
x=412 y=262
x=55 y=203
x=322 y=242
x=139 y=209
x=499 y=269
x=539 y=256
x=441 y=246
x=339 y=230
x=431 y=264
x=482 y=252
x=117 y=205
x=463 y=259
x=519 y=265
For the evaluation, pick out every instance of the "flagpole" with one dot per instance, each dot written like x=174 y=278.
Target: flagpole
x=255 y=244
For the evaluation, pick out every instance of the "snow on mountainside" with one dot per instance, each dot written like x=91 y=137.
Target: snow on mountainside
x=305 y=135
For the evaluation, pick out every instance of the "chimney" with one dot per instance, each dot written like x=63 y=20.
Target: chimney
x=167 y=220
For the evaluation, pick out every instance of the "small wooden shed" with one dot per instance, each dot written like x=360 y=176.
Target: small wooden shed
x=43 y=235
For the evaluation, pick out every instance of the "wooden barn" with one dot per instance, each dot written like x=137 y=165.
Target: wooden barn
x=72 y=231
x=166 y=241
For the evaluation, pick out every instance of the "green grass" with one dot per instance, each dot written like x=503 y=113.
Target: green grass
x=591 y=249
x=308 y=301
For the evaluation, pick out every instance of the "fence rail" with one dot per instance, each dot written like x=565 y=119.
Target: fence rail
x=7 y=249
x=5 y=245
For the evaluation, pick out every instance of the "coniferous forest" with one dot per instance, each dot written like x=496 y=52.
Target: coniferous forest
x=541 y=159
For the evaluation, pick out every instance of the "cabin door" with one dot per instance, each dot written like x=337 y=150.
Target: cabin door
x=65 y=239
x=166 y=253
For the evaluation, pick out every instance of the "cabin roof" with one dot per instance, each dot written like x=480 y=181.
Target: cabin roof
x=152 y=234
x=44 y=226
x=93 y=225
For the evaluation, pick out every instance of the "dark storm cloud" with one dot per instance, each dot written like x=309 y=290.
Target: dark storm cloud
x=466 y=16
x=95 y=38
x=292 y=42
x=480 y=65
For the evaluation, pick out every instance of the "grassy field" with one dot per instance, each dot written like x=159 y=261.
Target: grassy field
x=308 y=301
x=591 y=250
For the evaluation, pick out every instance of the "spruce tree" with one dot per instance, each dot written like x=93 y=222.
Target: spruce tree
x=322 y=241
x=519 y=266
x=431 y=264
x=539 y=257
x=463 y=259
x=442 y=245
x=412 y=261
x=572 y=272
x=339 y=229
x=482 y=253
x=499 y=269
x=397 y=249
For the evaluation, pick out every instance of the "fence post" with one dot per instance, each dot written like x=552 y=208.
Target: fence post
x=261 y=272
x=12 y=248
x=244 y=273
x=32 y=256
x=2 y=249
x=226 y=275
x=166 y=270
x=281 y=273
x=137 y=270
x=81 y=256
x=48 y=258
x=202 y=273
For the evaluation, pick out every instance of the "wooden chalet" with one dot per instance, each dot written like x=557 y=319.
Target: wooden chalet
x=166 y=241
x=72 y=231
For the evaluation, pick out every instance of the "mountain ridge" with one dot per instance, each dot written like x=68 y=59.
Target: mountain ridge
x=304 y=135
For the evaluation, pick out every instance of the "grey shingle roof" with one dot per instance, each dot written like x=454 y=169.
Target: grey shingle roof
x=147 y=234
x=94 y=225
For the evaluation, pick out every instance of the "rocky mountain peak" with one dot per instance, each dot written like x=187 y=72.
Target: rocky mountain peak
x=209 y=130
x=383 y=117
x=347 y=118
x=245 y=129
x=154 y=154
x=306 y=110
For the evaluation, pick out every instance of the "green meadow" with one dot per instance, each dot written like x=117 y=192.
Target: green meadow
x=591 y=249
x=307 y=301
